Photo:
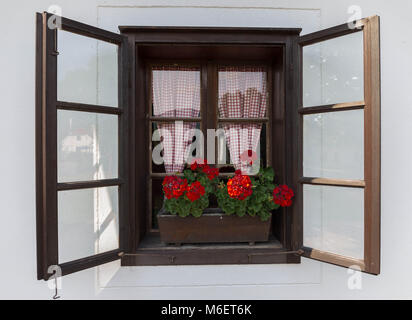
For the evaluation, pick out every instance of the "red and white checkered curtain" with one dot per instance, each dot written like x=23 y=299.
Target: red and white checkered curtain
x=176 y=93
x=242 y=94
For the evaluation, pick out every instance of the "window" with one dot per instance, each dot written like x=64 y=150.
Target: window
x=175 y=110
x=340 y=173
x=243 y=93
x=81 y=136
x=314 y=119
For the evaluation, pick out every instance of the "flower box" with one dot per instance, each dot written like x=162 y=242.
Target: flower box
x=213 y=226
x=245 y=206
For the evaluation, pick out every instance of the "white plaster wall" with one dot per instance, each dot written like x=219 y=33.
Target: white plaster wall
x=308 y=280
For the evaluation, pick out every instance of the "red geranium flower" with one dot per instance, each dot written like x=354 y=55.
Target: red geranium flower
x=198 y=163
x=193 y=166
x=203 y=166
x=195 y=191
x=211 y=172
x=174 y=187
x=282 y=195
x=239 y=187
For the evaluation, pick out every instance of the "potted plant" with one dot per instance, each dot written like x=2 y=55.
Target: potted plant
x=245 y=206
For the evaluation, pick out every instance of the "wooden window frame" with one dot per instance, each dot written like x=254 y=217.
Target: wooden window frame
x=285 y=129
x=371 y=107
x=283 y=38
x=47 y=106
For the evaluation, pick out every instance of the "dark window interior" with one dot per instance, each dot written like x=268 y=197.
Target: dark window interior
x=272 y=152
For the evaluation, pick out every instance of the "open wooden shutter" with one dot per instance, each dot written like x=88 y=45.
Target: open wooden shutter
x=81 y=143
x=339 y=145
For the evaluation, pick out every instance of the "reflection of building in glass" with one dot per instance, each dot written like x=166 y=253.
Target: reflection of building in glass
x=80 y=143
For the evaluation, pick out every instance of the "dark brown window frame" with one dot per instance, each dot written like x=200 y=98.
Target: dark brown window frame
x=139 y=39
x=372 y=170
x=47 y=106
x=133 y=168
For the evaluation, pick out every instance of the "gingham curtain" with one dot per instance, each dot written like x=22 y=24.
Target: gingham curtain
x=176 y=93
x=242 y=94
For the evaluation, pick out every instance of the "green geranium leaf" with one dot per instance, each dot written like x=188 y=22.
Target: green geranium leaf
x=268 y=174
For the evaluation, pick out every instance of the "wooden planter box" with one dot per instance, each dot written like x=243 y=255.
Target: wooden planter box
x=212 y=227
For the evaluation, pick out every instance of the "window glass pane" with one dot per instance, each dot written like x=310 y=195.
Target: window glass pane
x=88 y=222
x=86 y=70
x=176 y=91
x=174 y=144
x=242 y=92
x=333 y=71
x=333 y=220
x=238 y=144
x=333 y=145
x=87 y=146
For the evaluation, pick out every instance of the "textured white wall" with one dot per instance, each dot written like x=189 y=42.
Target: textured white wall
x=310 y=279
